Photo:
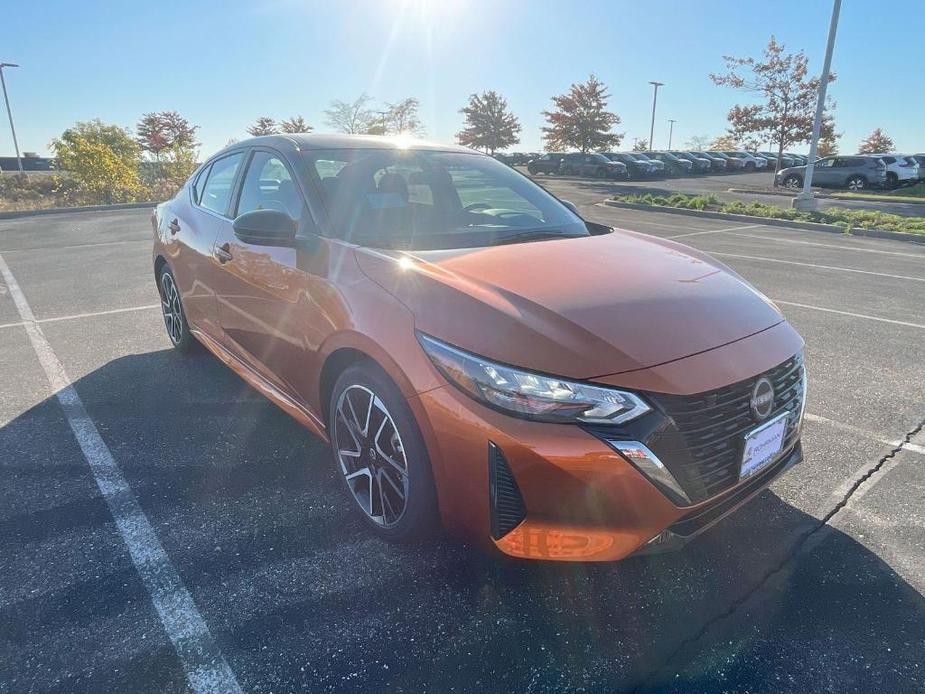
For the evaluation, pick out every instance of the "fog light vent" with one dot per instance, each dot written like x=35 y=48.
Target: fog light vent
x=507 y=505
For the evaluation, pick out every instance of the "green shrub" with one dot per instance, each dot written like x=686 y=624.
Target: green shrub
x=849 y=219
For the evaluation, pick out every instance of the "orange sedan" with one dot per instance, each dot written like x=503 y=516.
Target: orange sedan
x=478 y=356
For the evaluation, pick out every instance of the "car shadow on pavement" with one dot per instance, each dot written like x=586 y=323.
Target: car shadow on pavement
x=299 y=595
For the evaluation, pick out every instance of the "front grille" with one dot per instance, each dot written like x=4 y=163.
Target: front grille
x=703 y=450
x=695 y=521
x=507 y=505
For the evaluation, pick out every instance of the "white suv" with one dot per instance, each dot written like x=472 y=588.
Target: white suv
x=901 y=169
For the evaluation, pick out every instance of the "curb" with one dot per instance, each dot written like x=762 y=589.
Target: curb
x=758 y=191
x=810 y=226
x=13 y=214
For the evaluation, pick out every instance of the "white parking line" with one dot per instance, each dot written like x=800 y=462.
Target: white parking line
x=821 y=267
x=84 y=315
x=819 y=419
x=841 y=247
x=72 y=246
x=716 y=231
x=203 y=662
x=850 y=313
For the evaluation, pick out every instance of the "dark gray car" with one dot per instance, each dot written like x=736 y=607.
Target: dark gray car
x=855 y=172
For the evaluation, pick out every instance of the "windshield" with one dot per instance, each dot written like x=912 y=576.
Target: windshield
x=420 y=199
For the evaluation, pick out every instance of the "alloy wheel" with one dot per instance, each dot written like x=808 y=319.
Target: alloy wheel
x=170 y=306
x=856 y=184
x=792 y=182
x=371 y=455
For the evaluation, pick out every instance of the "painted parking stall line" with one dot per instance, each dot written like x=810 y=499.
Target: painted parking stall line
x=205 y=666
x=850 y=314
x=816 y=265
x=91 y=314
x=716 y=231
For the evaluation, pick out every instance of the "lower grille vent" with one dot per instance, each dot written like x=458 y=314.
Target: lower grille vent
x=507 y=505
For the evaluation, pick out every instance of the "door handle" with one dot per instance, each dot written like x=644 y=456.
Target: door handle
x=222 y=253
x=174 y=227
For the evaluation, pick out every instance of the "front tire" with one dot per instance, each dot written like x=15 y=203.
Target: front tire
x=856 y=183
x=892 y=181
x=380 y=455
x=172 y=309
x=793 y=181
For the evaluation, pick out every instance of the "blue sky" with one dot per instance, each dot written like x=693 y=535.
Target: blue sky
x=222 y=64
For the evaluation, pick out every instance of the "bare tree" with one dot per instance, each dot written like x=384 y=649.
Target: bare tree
x=402 y=118
x=352 y=117
x=699 y=143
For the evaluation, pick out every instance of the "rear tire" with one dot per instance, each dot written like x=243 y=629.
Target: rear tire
x=856 y=183
x=174 y=316
x=380 y=455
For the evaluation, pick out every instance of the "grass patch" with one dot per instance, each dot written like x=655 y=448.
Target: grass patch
x=848 y=219
x=913 y=194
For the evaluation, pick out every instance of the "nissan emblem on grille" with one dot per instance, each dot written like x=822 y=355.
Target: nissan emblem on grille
x=762 y=400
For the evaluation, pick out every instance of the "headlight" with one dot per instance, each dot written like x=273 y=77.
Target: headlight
x=531 y=395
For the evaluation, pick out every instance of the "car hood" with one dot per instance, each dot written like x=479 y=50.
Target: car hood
x=582 y=307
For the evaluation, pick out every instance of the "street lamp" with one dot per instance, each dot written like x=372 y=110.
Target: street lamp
x=654 y=99
x=805 y=200
x=671 y=123
x=9 y=112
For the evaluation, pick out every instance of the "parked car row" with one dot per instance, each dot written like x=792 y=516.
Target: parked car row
x=858 y=172
x=638 y=165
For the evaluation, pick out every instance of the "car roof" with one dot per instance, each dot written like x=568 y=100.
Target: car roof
x=310 y=141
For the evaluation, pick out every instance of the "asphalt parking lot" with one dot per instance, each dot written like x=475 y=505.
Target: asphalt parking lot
x=756 y=184
x=245 y=550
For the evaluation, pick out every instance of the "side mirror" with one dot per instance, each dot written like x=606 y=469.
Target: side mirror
x=570 y=205
x=265 y=228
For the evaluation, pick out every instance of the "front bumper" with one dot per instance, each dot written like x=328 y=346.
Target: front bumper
x=575 y=497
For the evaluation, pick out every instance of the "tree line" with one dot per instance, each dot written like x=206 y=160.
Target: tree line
x=109 y=163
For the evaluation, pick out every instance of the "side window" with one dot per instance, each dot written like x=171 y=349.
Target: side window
x=199 y=182
x=216 y=191
x=268 y=185
x=889 y=160
x=825 y=163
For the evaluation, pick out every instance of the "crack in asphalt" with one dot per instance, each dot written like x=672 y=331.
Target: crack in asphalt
x=652 y=678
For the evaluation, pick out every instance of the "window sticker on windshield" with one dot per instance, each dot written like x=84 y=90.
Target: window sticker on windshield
x=384 y=201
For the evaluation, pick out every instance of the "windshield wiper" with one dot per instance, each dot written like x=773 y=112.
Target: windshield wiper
x=532 y=235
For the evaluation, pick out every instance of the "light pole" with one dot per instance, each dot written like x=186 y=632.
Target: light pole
x=654 y=99
x=805 y=200
x=10 y=113
x=671 y=123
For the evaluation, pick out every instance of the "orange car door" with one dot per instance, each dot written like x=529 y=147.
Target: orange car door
x=190 y=224
x=263 y=296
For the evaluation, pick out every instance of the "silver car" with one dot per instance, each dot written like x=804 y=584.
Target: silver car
x=857 y=172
